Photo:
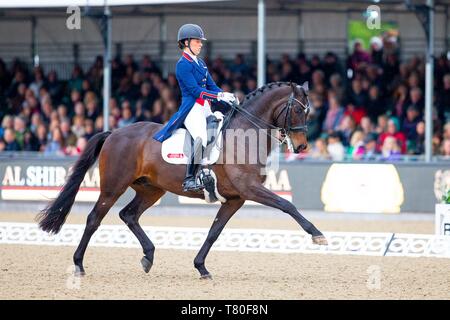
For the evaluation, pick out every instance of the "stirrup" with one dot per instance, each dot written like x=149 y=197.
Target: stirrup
x=192 y=185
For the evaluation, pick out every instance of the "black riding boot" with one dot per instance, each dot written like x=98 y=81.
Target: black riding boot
x=190 y=183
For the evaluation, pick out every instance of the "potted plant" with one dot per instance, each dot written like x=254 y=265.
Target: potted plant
x=446 y=197
x=442 y=218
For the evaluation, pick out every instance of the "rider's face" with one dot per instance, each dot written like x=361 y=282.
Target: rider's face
x=196 y=46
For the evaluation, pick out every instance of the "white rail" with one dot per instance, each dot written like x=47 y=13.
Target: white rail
x=251 y=240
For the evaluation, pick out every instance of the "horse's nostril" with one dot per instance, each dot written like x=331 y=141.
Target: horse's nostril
x=300 y=148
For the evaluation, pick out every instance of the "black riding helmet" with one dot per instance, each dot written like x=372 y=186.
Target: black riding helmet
x=189 y=31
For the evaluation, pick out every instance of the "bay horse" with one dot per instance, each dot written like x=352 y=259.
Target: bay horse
x=129 y=157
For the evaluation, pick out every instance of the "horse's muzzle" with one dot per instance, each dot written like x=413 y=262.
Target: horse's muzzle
x=300 y=148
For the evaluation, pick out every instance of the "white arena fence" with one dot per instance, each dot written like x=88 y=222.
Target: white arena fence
x=246 y=240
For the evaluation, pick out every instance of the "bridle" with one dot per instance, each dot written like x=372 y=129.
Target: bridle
x=288 y=120
x=287 y=128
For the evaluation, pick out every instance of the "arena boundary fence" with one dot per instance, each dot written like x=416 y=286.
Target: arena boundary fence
x=245 y=240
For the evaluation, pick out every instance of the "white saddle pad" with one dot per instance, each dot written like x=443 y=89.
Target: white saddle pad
x=173 y=149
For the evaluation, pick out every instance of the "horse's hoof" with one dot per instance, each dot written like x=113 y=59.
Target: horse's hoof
x=206 y=276
x=146 y=264
x=79 y=272
x=320 y=240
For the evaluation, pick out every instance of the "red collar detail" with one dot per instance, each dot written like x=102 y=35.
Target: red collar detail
x=188 y=58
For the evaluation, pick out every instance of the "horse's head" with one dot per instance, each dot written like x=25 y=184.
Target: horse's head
x=292 y=117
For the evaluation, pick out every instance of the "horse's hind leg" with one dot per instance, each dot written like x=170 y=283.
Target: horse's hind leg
x=145 y=198
x=95 y=217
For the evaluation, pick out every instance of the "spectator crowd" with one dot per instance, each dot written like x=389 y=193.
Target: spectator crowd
x=370 y=106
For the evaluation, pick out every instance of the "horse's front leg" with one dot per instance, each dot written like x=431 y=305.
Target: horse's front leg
x=262 y=195
x=226 y=211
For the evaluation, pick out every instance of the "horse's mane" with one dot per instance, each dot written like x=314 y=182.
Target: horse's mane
x=256 y=93
x=249 y=98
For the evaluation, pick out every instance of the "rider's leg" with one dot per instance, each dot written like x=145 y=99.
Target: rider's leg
x=195 y=160
x=189 y=179
x=207 y=110
x=195 y=123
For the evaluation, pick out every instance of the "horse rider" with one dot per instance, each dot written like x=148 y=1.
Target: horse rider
x=197 y=90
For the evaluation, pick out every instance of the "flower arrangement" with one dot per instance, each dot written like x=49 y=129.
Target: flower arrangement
x=446 y=197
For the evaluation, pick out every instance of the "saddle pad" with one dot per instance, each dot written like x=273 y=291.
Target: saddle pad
x=175 y=149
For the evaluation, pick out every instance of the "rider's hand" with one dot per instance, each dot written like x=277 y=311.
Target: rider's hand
x=226 y=97
x=237 y=100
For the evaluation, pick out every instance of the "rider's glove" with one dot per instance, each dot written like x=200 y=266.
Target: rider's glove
x=226 y=97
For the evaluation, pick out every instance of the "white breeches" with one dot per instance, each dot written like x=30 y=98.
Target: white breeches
x=195 y=121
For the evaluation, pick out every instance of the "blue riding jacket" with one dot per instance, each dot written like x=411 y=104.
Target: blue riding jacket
x=196 y=85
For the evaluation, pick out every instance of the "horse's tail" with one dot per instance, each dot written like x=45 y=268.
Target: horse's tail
x=53 y=217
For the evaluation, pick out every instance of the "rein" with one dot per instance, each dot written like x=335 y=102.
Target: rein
x=284 y=131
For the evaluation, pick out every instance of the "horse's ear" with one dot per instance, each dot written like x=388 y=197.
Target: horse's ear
x=305 y=86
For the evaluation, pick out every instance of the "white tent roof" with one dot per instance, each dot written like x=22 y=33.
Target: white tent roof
x=89 y=3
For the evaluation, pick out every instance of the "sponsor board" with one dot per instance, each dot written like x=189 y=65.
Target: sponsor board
x=339 y=187
x=43 y=183
x=368 y=188
x=36 y=183
x=45 y=193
